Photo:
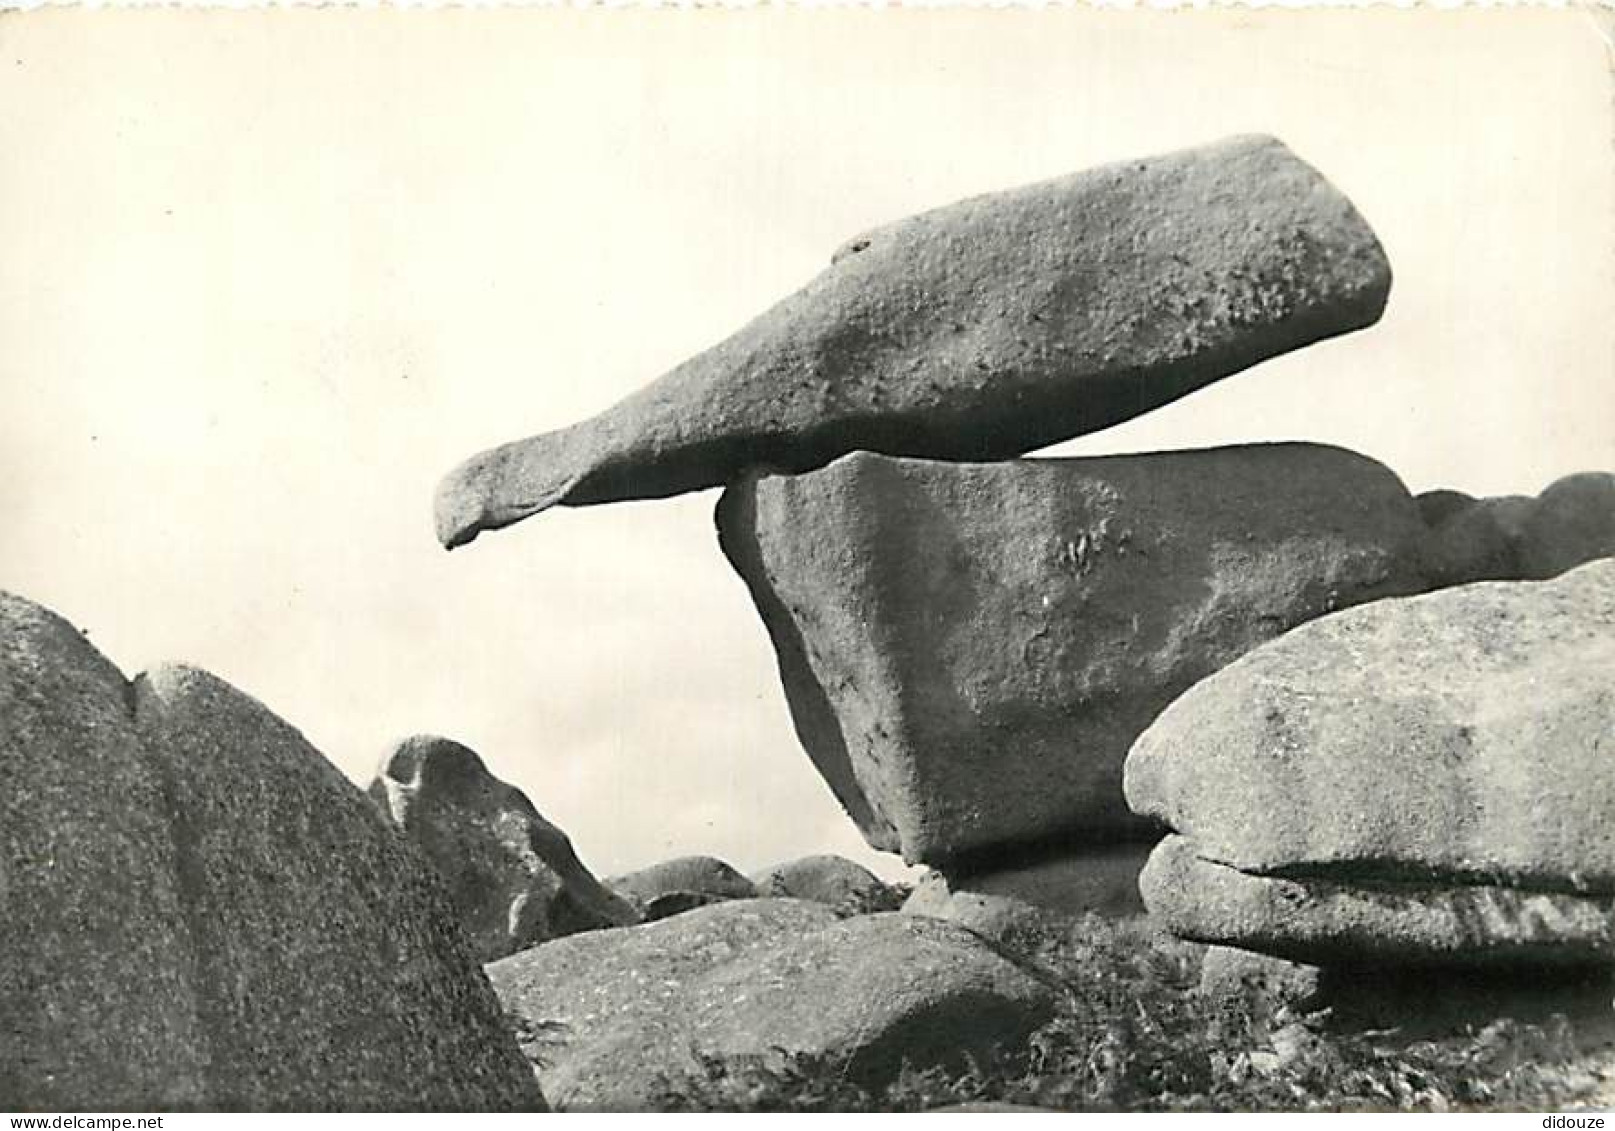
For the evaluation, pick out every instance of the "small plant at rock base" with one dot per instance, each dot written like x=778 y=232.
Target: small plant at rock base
x=780 y=1080
x=538 y=1040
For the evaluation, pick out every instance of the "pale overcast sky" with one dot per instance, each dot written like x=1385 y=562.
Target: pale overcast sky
x=264 y=277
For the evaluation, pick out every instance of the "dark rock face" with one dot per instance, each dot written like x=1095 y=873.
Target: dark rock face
x=1435 y=507
x=514 y=877
x=1095 y=879
x=1421 y=1001
x=1572 y=522
x=1519 y=538
x=679 y=885
x=979 y=331
x=832 y=880
x=970 y=649
x=181 y=864
x=1479 y=542
x=1420 y=779
x=868 y=993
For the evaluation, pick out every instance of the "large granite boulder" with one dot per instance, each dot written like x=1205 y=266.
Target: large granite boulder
x=867 y=994
x=679 y=885
x=199 y=911
x=98 y=1004
x=970 y=649
x=832 y=880
x=1428 y=779
x=566 y=993
x=514 y=877
x=1417 y=1003
x=979 y=331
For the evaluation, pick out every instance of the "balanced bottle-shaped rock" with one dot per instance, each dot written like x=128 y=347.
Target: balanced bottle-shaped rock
x=979 y=331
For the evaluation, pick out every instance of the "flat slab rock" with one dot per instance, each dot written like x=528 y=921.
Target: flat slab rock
x=979 y=331
x=1323 y=922
x=1461 y=736
x=763 y=978
x=514 y=877
x=969 y=650
x=200 y=912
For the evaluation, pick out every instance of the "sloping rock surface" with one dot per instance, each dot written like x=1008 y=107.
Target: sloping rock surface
x=99 y=1006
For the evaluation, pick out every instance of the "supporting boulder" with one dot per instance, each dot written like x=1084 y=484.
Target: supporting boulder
x=969 y=650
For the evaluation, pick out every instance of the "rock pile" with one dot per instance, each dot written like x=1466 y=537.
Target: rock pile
x=514 y=877
x=976 y=648
x=198 y=912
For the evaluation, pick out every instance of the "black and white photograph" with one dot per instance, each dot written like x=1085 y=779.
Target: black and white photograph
x=806 y=559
